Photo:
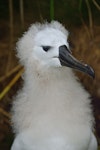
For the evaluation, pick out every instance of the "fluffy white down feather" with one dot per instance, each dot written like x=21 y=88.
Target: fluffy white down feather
x=52 y=111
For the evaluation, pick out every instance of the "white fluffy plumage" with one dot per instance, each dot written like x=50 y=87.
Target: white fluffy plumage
x=52 y=111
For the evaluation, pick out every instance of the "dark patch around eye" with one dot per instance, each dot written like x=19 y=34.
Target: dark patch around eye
x=46 y=48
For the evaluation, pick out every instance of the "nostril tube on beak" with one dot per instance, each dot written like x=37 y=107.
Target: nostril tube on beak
x=64 y=47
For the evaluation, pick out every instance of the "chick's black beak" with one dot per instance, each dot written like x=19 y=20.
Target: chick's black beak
x=66 y=59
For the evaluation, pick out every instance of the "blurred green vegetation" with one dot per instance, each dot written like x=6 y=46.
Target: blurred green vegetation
x=64 y=10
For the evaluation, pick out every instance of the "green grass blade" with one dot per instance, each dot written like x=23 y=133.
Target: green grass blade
x=51 y=9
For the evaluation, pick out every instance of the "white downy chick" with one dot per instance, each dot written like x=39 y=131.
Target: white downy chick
x=52 y=111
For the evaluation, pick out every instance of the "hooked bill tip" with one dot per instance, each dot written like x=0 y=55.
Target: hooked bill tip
x=90 y=71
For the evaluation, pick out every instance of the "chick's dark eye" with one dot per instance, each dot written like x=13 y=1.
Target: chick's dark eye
x=46 y=48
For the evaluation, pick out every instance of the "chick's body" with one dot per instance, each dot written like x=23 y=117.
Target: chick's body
x=52 y=111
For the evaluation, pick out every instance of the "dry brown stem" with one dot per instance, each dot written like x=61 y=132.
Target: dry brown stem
x=96 y=4
x=5 y=113
x=90 y=18
x=9 y=86
x=15 y=69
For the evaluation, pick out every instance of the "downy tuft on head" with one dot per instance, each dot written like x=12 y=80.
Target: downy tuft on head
x=26 y=43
